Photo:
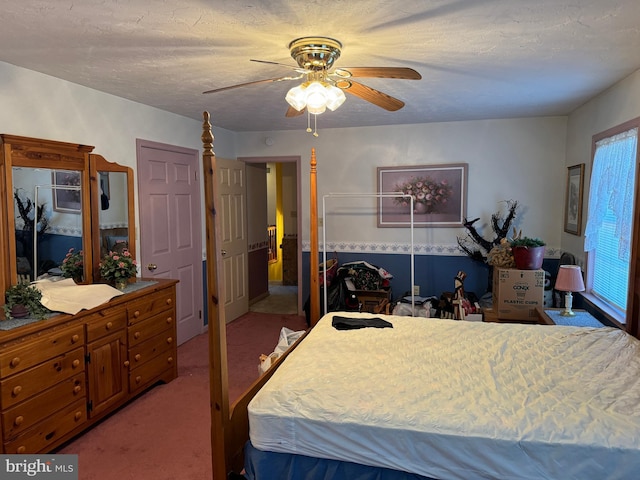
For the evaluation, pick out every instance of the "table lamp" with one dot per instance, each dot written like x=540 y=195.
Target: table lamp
x=569 y=280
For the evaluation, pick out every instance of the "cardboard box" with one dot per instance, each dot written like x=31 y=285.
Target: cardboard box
x=517 y=293
x=373 y=300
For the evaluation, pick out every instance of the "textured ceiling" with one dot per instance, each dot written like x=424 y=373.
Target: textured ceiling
x=478 y=58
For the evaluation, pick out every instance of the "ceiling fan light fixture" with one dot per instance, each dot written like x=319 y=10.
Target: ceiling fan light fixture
x=316 y=98
x=297 y=97
x=335 y=97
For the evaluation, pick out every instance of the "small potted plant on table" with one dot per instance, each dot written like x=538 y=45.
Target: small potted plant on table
x=528 y=252
x=23 y=300
x=118 y=268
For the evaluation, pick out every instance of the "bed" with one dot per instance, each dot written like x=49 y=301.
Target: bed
x=424 y=398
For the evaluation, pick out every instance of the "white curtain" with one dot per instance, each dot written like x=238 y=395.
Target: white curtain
x=612 y=188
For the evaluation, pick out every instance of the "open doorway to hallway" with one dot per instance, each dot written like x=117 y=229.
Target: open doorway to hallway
x=281 y=299
x=274 y=233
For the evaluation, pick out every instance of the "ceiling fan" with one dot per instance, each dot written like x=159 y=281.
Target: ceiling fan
x=324 y=86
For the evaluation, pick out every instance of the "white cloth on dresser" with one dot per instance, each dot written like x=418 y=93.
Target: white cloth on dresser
x=68 y=297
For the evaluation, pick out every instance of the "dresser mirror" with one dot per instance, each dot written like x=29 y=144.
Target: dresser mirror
x=112 y=210
x=47 y=207
x=56 y=196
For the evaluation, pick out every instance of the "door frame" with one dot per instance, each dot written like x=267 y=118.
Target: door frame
x=298 y=162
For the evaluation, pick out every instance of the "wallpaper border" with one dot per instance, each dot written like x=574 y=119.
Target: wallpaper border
x=404 y=248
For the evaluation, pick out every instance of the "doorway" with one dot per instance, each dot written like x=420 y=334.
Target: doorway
x=280 y=275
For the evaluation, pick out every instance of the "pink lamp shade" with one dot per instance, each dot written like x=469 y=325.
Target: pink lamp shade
x=569 y=279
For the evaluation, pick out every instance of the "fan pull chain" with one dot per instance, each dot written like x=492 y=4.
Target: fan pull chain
x=315 y=124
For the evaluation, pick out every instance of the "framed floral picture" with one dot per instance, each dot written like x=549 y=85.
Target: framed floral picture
x=439 y=194
x=573 y=200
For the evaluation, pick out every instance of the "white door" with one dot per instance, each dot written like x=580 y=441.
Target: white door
x=171 y=226
x=232 y=205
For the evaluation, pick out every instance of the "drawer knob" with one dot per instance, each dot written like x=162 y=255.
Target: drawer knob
x=170 y=360
x=77 y=389
x=75 y=363
x=169 y=340
x=169 y=319
x=169 y=301
x=138 y=379
x=137 y=357
x=136 y=335
x=75 y=339
x=18 y=421
x=77 y=416
x=136 y=313
x=21 y=449
x=109 y=326
x=16 y=390
x=126 y=363
x=14 y=362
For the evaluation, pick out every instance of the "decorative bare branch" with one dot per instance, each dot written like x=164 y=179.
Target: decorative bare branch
x=499 y=226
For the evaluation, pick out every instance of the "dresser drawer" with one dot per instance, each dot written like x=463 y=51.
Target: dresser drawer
x=145 y=307
x=38 y=407
x=19 y=387
x=145 y=330
x=105 y=322
x=37 y=438
x=143 y=376
x=153 y=347
x=44 y=347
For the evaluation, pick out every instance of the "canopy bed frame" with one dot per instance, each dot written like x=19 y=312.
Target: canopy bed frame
x=513 y=432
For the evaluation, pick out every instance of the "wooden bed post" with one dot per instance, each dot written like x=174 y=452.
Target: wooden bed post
x=219 y=381
x=314 y=301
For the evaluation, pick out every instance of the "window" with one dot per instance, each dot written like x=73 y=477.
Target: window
x=608 y=234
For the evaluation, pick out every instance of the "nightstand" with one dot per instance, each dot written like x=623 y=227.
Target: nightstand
x=582 y=318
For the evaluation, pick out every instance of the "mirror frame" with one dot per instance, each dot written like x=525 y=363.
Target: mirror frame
x=39 y=153
x=97 y=164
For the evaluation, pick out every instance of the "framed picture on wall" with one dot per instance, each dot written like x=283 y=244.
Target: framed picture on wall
x=573 y=200
x=439 y=194
x=67 y=200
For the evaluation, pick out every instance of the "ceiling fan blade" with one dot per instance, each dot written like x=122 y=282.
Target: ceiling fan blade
x=292 y=67
x=377 y=72
x=371 y=95
x=256 y=82
x=292 y=112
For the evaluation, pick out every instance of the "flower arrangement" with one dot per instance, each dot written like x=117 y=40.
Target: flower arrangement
x=73 y=264
x=118 y=266
x=427 y=193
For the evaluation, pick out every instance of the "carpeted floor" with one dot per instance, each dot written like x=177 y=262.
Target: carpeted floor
x=165 y=433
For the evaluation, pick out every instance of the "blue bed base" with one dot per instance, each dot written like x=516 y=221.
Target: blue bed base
x=261 y=465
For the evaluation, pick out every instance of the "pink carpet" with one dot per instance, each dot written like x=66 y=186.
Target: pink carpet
x=165 y=433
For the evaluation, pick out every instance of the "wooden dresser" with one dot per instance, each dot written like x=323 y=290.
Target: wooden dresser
x=59 y=376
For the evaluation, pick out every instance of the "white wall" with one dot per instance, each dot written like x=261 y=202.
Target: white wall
x=520 y=159
x=37 y=105
x=616 y=105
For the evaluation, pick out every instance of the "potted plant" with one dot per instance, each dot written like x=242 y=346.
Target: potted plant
x=118 y=268
x=73 y=265
x=23 y=300
x=528 y=252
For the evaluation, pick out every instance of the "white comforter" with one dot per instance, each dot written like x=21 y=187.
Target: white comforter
x=459 y=400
